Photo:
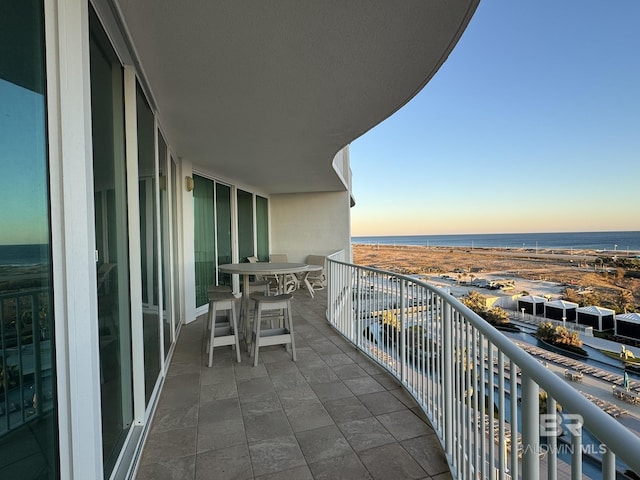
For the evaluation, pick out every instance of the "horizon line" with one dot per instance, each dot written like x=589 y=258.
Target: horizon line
x=490 y=233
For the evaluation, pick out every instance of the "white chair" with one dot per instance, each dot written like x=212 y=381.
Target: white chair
x=259 y=284
x=225 y=332
x=317 y=279
x=273 y=336
x=288 y=282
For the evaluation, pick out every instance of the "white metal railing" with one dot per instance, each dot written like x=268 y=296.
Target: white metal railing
x=26 y=378
x=459 y=368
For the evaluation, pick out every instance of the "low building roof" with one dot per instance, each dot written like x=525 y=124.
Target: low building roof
x=532 y=299
x=629 y=317
x=561 y=304
x=595 y=310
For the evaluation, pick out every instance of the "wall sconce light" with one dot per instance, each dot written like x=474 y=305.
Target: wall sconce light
x=189 y=183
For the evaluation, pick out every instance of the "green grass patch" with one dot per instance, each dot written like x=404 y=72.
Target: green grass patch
x=617 y=356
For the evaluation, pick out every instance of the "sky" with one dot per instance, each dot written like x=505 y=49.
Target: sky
x=531 y=125
x=23 y=176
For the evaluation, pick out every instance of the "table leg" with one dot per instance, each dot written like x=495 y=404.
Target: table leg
x=245 y=308
x=280 y=280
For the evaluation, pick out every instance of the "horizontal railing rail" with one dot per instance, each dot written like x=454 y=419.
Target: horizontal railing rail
x=497 y=410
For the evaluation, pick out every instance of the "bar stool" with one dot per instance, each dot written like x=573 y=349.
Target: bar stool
x=272 y=336
x=205 y=325
x=224 y=332
x=218 y=289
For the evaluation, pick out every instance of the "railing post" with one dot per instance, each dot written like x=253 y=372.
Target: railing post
x=329 y=311
x=608 y=464
x=37 y=360
x=576 y=454
x=530 y=428
x=514 y=419
x=447 y=383
x=552 y=442
x=502 y=446
x=356 y=336
x=348 y=299
x=403 y=334
x=482 y=412
x=491 y=405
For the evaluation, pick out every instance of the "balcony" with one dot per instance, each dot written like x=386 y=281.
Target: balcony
x=332 y=414
x=411 y=401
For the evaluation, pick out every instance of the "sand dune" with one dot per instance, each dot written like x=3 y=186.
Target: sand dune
x=533 y=271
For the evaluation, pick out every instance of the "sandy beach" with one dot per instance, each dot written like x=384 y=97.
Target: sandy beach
x=535 y=271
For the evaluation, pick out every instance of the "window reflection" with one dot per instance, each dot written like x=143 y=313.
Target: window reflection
x=164 y=243
x=114 y=320
x=262 y=228
x=204 y=237
x=148 y=244
x=175 y=185
x=245 y=225
x=223 y=230
x=27 y=368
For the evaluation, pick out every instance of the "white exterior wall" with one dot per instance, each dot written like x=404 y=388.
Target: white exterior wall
x=310 y=223
x=189 y=272
x=342 y=166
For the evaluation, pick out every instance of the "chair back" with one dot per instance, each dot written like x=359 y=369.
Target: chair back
x=317 y=279
x=316 y=260
x=278 y=258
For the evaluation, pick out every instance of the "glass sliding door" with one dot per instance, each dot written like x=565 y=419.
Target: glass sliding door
x=204 y=237
x=175 y=245
x=148 y=243
x=262 y=228
x=223 y=230
x=107 y=119
x=245 y=225
x=165 y=243
x=28 y=406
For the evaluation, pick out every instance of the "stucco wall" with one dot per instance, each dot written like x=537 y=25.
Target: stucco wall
x=310 y=223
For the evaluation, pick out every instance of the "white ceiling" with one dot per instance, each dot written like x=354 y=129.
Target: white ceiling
x=267 y=92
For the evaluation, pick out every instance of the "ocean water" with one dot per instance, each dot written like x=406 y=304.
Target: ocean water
x=24 y=254
x=601 y=241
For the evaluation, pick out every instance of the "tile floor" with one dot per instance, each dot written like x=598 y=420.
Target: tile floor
x=333 y=414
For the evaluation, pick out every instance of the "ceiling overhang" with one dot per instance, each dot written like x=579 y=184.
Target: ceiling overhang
x=268 y=92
